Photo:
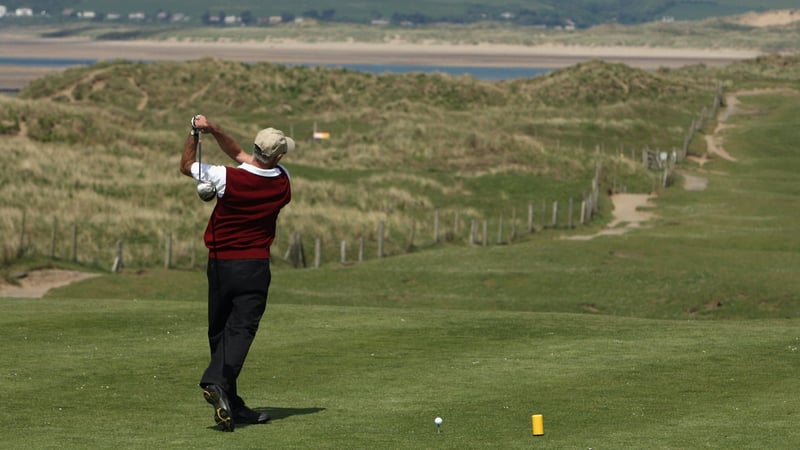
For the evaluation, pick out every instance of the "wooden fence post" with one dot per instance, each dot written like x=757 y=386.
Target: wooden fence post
x=485 y=233
x=168 y=251
x=530 y=217
x=689 y=136
x=296 y=254
x=380 y=239
x=117 y=266
x=300 y=249
x=555 y=214
x=361 y=249
x=21 y=247
x=317 y=252
x=74 y=242
x=598 y=171
x=412 y=236
x=583 y=210
x=343 y=252
x=53 y=238
x=436 y=226
x=702 y=121
x=472 y=232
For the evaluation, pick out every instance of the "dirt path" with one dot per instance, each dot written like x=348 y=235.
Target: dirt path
x=628 y=215
x=714 y=141
x=628 y=212
x=35 y=284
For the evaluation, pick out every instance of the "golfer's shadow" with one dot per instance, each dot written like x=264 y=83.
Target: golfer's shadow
x=276 y=413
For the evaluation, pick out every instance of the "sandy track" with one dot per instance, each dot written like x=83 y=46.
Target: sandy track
x=35 y=284
x=292 y=52
x=355 y=52
x=630 y=211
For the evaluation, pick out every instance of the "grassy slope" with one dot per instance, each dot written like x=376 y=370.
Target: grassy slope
x=727 y=252
x=480 y=149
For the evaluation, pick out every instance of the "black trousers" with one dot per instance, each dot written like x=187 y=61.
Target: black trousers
x=237 y=298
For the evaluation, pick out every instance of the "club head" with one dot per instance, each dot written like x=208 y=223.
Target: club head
x=206 y=191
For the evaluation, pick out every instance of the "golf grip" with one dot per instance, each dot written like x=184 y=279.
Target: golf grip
x=199 y=155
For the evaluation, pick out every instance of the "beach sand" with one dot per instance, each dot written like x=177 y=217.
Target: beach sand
x=292 y=52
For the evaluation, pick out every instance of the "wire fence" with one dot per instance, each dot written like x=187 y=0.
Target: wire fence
x=82 y=245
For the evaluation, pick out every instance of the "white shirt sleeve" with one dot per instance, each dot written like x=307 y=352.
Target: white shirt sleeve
x=217 y=175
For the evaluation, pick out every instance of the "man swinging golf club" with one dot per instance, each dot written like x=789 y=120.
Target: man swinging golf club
x=238 y=236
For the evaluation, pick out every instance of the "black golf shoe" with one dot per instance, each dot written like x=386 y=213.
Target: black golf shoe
x=243 y=414
x=222 y=408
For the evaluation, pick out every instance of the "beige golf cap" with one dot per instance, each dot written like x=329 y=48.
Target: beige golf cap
x=270 y=142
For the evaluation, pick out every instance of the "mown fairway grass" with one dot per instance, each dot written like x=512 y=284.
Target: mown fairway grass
x=121 y=374
x=682 y=335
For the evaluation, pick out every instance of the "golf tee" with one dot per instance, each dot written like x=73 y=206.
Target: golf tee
x=537 y=421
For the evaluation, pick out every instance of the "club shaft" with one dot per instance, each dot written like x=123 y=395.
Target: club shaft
x=199 y=155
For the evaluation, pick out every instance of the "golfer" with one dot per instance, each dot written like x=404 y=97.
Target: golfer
x=238 y=236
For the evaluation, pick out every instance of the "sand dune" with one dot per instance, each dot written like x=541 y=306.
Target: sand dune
x=770 y=18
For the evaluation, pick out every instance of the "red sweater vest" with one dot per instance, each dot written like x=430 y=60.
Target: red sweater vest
x=242 y=225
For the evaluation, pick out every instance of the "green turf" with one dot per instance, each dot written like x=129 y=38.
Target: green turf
x=121 y=374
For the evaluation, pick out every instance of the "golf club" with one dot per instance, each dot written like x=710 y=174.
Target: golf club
x=205 y=189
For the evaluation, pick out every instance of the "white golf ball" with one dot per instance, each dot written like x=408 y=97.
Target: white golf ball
x=438 y=421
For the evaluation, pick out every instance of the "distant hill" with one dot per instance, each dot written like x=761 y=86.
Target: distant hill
x=549 y=13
